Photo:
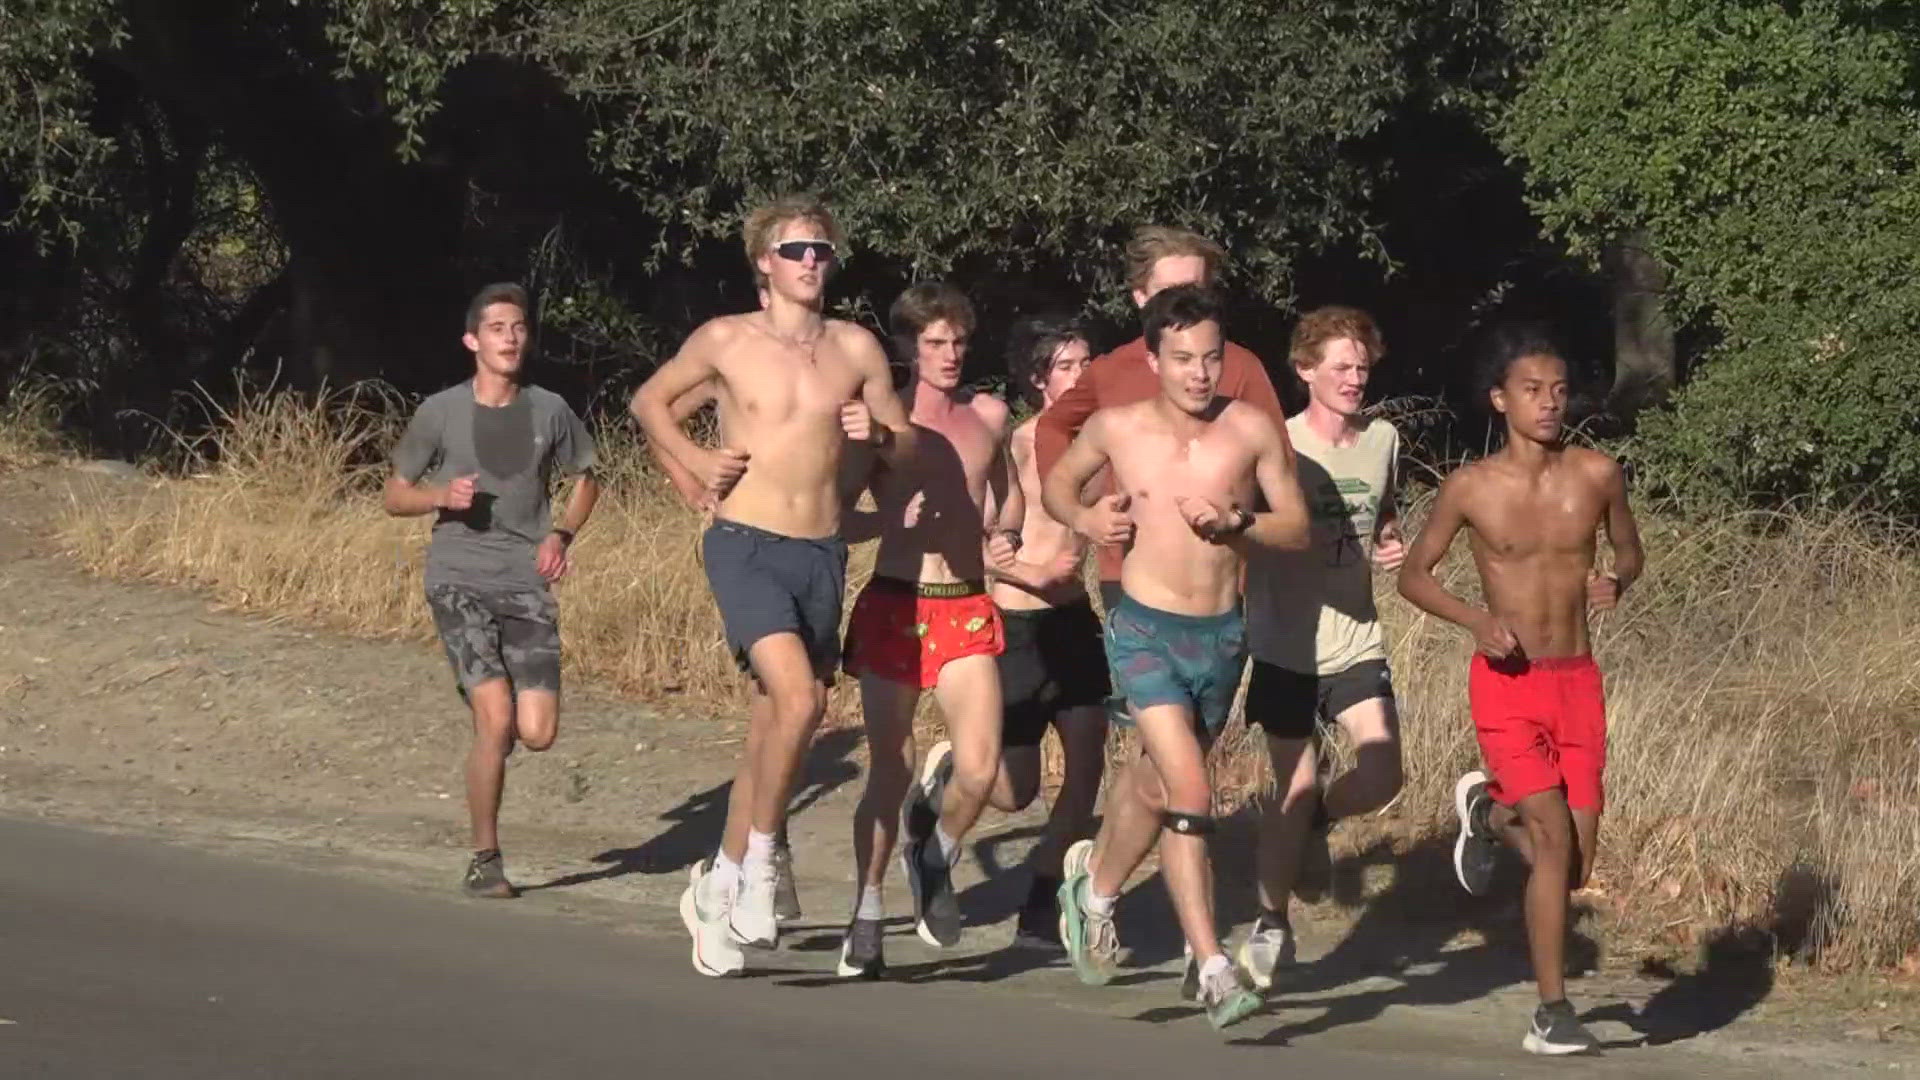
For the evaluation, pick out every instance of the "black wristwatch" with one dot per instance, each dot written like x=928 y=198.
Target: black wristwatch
x=1240 y=524
x=565 y=535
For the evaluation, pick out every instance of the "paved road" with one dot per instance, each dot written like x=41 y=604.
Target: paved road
x=126 y=958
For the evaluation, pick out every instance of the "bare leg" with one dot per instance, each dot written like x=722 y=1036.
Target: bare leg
x=536 y=718
x=1131 y=828
x=1586 y=834
x=1376 y=776
x=1018 y=783
x=1549 y=828
x=1179 y=761
x=888 y=708
x=968 y=693
x=1284 y=820
x=740 y=795
x=1083 y=739
x=492 y=703
x=774 y=748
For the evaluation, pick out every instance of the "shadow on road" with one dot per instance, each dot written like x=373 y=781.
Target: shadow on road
x=1735 y=972
x=697 y=822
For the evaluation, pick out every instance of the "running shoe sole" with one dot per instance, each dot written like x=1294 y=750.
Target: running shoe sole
x=1239 y=1006
x=690 y=915
x=1535 y=1043
x=941 y=753
x=854 y=971
x=1462 y=791
x=1073 y=925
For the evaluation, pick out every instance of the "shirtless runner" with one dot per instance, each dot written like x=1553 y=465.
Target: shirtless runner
x=925 y=623
x=1157 y=257
x=1319 y=659
x=1054 y=670
x=479 y=456
x=1186 y=464
x=1539 y=710
x=795 y=391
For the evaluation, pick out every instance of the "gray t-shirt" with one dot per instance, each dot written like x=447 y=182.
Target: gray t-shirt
x=513 y=451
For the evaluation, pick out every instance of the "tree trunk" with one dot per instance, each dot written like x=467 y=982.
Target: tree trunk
x=1643 y=361
x=373 y=242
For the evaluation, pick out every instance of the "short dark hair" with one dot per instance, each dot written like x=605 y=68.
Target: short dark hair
x=500 y=292
x=1031 y=344
x=1509 y=342
x=1178 y=308
x=920 y=307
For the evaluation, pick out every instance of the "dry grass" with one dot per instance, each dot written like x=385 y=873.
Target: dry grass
x=1765 y=717
x=30 y=407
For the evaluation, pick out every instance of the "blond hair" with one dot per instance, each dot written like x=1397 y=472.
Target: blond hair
x=767 y=219
x=1151 y=243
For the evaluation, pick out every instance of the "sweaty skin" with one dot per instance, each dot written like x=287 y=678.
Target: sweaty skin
x=1161 y=461
x=1183 y=462
x=1532 y=510
x=780 y=405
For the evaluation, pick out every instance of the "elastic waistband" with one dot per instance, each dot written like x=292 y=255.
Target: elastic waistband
x=757 y=533
x=930 y=590
x=1174 y=618
x=1522 y=665
x=1038 y=613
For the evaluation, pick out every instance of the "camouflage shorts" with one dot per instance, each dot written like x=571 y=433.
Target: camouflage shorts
x=499 y=635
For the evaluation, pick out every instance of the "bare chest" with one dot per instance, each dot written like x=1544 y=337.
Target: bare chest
x=773 y=384
x=1515 y=520
x=952 y=457
x=1152 y=468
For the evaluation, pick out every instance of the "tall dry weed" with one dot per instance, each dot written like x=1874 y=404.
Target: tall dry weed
x=1764 y=756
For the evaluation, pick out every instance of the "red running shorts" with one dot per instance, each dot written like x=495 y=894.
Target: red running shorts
x=899 y=633
x=1541 y=725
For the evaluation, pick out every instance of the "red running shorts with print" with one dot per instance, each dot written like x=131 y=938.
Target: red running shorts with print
x=900 y=633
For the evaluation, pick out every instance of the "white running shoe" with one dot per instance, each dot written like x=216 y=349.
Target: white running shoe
x=714 y=952
x=751 y=920
x=1267 y=952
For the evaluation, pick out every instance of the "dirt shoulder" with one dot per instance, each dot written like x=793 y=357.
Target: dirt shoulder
x=141 y=709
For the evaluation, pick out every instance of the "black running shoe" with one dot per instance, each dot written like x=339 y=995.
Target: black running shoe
x=1557 y=1031
x=862 y=955
x=922 y=810
x=1476 y=851
x=936 y=910
x=487 y=877
x=1039 y=923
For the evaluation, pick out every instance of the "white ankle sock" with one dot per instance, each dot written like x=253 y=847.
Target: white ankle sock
x=870 y=906
x=759 y=850
x=949 y=847
x=1099 y=905
x=722 y=879
x=1215 y=964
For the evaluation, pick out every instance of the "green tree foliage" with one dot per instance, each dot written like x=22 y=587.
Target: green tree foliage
x=991 y=132
x=49 y=152
x=1768 y=150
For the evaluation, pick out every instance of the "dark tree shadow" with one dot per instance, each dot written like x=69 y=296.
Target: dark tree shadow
x=698 y=821
x=1403 y=934
x=1735 y=972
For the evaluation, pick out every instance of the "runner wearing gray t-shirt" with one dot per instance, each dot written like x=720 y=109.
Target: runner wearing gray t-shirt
x=481 y=455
